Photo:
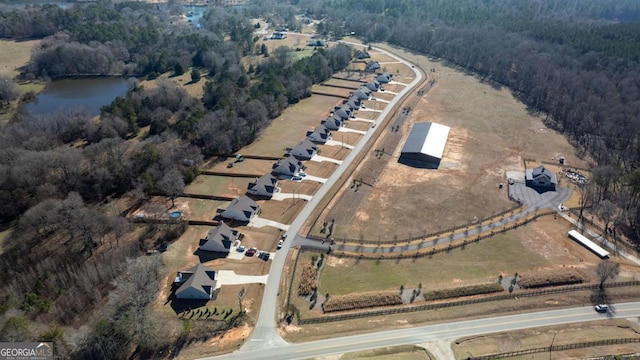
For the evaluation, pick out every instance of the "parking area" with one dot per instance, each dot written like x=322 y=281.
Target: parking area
x=531 y=198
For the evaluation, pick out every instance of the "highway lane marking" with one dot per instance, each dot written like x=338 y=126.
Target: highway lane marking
x=457 y=329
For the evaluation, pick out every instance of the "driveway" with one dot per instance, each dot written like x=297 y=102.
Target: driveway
x=260 y=222
x=319 y=158
x=229 y=277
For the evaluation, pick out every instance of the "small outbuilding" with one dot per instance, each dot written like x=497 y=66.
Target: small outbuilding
x=541 y=179
x=425 y=145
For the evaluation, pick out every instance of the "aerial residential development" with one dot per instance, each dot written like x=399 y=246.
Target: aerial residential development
x=317 y=179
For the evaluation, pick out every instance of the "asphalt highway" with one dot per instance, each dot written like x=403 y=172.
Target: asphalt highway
x=445 y=331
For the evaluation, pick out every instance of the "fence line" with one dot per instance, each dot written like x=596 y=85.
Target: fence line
x=581 y=345
x=434 y=251
x=409 y=309
x=418 y=237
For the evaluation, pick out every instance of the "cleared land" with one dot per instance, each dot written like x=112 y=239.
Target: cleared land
x=407 y=352
x=491 y=133
x=559 y=335
x=291 y=127
x=14 y=54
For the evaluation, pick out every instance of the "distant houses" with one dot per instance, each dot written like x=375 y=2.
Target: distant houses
x=264 y=186
x=373 y=85
x=197 y=283
x=288 y=166
x=343 y=112
x=372 y=66
x=241 y=209
x=220 y=239
x=304 y=150
x=278 y=35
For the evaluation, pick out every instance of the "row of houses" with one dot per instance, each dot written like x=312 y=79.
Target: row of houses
x=199 y=282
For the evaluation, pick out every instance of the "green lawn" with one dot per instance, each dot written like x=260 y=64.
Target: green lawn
x=204 y=209
x=476 y=263
x=218 y=185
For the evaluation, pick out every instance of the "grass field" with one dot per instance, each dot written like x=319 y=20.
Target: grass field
x=475 y=264
x=14 y=54
x=218 y=185
x=292 y=126
x=406 y=352
x=559 y=335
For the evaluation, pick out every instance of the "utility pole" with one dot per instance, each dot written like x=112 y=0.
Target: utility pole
x=551 y=347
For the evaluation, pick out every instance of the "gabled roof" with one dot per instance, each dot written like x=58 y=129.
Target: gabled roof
x=319 y=134
x=372 y=65
x=353 y=103
x=288 y=166
x=384 y=78
x=200 y=280
x=332 y=123
x=532 y=174
x=220 y=238
x=363 y=93
x=305 y=149
x=373 y=85
x=266 y=184
x=242 y=205
x=427 y=138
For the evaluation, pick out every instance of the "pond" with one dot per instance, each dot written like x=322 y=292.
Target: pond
x=90 y=93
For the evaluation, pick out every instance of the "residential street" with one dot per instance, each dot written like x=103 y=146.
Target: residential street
x=265 y=336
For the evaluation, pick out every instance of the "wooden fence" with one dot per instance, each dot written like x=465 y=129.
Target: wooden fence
x=553 y=348
x=425 y=307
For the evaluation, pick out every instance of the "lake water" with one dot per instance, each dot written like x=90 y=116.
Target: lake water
x=90 y=93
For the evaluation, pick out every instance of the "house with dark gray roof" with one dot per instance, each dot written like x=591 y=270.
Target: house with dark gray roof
x=343 y=112
x=541 y=179
x=373 y=85
x=363 y=93
x=241 y=209
x=333 y=123
x=197 y=283
x=372 y=66
x=305 y=150
x=287 y=166
x=264 y=186
x=220 y=238
x=384 y=78
x=319 y=135
x=353 y=103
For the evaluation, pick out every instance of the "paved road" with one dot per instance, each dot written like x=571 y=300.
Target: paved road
x=265 y=335
x=430 y=333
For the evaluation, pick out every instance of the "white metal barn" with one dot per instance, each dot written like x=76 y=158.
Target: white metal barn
x=425 y=145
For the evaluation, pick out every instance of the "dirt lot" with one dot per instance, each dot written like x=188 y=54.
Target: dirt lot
x=247 y=166
x=491 y=133
x=559 y=335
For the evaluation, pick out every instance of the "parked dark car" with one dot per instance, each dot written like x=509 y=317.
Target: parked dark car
x=164 y=247
x=251 y=252
x=264 y=256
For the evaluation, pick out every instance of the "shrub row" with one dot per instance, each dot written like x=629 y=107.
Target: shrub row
x=307 y=282
x=463 y=291
x=361 y=300
x=538 y=279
